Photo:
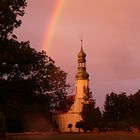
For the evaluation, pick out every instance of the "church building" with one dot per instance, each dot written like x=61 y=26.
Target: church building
x=81 y=87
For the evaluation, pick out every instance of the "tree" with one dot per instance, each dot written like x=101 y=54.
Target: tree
x=70 y=126
x=134 y=109
x=116 y=110
x=94 y=119
x=10 y=11
x=28 y=79
x=34 y=76
x=79 y=125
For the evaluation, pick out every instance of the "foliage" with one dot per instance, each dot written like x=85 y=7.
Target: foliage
x=122 y=111
x=79 y=125
x=31 y=79
x=30 y=82
x=134 y=109
x=116 y=110
x=116 y=107
x=91 y=115
x=10 y=11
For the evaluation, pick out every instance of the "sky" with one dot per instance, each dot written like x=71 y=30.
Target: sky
x=111 y=40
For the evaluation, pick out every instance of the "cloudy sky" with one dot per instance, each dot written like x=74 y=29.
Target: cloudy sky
x=111 y=40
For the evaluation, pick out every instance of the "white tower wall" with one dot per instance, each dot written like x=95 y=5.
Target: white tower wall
x=81 y=89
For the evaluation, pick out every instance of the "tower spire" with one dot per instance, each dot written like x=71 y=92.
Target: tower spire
x=82 y=73
x=81 y=40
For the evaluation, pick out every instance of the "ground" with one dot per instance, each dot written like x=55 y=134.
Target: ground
x=89 y=136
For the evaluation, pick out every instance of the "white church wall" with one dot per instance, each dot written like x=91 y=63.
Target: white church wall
x=67 y=118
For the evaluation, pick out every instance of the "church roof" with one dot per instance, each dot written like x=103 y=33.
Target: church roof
x=71 y=96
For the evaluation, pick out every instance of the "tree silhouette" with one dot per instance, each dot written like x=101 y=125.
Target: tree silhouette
x=117 y=109
x=30 y=82
x=10 y=11
x=134 y=109
x=79 y=125
x=90 y=114
x=70 y=126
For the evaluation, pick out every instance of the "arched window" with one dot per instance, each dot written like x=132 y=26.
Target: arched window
x=84 y=89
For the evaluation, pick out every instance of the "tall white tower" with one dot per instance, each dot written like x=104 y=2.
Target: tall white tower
x=81 y=81
x=81 y=88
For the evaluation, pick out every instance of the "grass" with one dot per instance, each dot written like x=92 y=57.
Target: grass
x=89 y=136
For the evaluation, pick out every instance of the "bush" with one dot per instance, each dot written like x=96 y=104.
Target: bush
x=122 y=125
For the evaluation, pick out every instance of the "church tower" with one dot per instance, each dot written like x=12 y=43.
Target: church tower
x=81 y=80
x=81 y=88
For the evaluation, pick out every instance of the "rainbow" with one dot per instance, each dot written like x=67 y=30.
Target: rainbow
x=52 y=24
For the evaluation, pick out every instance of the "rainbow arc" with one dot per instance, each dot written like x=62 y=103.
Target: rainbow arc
x=52 y=24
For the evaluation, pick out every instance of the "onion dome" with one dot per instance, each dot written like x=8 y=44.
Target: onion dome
x=81 y=54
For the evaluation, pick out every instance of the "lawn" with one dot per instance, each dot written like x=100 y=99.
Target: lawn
x=89 y=136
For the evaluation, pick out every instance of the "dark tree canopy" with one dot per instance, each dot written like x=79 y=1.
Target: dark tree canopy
x=29 y=79
x=10 y=11
x=116 y=107
x=30 y=82
x=91 y=114
x=23 y=70
x=80 y=125
x=134 y=109
x=122 y=111
x=116 y=111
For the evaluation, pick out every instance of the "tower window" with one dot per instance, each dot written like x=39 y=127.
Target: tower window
x=84 y=89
